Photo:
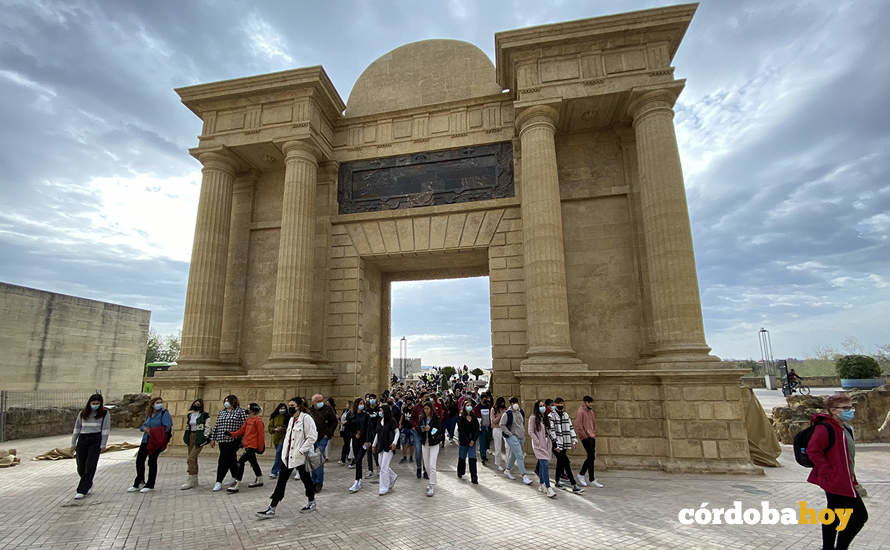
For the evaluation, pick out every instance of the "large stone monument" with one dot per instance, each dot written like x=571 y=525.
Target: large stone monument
x=555 y=172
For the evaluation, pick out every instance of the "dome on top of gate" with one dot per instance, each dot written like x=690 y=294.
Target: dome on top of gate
x=422 y=73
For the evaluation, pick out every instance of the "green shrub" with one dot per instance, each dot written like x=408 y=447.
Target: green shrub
x=857 y=367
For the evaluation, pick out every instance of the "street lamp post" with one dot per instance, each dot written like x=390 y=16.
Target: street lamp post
x=766 y=356
x=403 y=353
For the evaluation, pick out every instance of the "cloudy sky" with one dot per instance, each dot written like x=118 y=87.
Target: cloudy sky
x=783 y=126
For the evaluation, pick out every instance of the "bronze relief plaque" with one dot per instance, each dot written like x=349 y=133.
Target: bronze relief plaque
x=426 y=179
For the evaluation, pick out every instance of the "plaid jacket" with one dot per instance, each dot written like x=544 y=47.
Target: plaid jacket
x=563 y=431
x=228 y=420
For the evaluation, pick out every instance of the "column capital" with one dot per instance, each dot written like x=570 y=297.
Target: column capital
x=300 y=149
x=539 y=114
x=218 y=160
x=647 y=102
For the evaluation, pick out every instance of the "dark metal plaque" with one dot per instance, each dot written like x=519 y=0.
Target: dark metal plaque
x=426 y=179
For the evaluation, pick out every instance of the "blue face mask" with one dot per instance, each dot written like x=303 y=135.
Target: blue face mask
x=542 y=410
x=361 y=407
x=226 y=404
x=159 y=406
x=372 y=401
x=847 y=416
x=319 y=405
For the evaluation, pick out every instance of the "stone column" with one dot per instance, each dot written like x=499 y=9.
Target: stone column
x=236 y=268
x=549 y=337
x=291 y=325
x=202 y=322
x=676 y=305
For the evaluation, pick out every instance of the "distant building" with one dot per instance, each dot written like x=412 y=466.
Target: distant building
x=57 y=343
x=411 y=365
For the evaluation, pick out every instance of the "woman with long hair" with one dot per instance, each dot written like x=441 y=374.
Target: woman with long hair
x=497 y=434
x=431 y=437
x=277 y=426
x=540 y=432
x=195 y=436
x=468 y=437
x=229 y=419
x=360 y=443
x=90 y=436
x=385 y=442
x=154 y=441
x=298 y=440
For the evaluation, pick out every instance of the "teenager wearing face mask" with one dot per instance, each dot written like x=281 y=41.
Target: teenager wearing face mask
x=277 y=426
x=432 y=435
x=372 y=409
x=497 y=434
x=540 y=431
x=195 y=436
x=564 y=439
x=483 y=411
x=468 y=436
x=833 y=452
x=298 y=440
x=513 y=426
x=360 y=443
x=345 y=422
x=230 y=419
x=252 y=437
x=155 y=435
x=406 y=435
x=585 y=423
x=416 y=413
x=90 y=436
x=384 y=444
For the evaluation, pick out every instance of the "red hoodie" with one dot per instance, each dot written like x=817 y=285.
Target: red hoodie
x=831 y=469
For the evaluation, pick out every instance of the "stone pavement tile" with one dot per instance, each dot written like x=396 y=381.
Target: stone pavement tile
x=636 y=509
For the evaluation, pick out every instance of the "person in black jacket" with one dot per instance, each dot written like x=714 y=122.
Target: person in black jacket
x=372 y=409
x=431 y=437
x=359 y=428
x=406 y=427
x=468 y=435
x=384 y=444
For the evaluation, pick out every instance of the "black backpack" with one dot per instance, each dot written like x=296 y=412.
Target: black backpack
x=802 y=439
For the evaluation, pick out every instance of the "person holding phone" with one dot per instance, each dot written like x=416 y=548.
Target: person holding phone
x=432 y=435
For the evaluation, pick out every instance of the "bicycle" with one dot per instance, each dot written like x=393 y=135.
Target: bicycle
x=799 y=388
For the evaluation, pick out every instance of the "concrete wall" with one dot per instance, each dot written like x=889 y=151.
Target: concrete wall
x=54 y=342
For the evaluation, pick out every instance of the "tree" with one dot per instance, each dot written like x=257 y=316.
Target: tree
x=447 y=373
x=851 y=345
x=825 y=353
x=857 y=367
x=153 y=348
x=161 y=349
x=882 y=356
x=477 y=372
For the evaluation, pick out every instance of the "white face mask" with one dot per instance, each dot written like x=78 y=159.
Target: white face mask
x=469 y=408
x=226 y=404
x=515 y=406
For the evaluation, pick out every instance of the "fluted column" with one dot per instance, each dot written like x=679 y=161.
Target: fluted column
x=291 y=325
x=676 y=305
x=236 y=268
x=202 y=322
x=549 y=337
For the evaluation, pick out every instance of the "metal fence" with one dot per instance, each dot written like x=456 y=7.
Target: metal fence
x=37 y=400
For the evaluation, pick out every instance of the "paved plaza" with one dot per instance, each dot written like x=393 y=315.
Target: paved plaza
x=636 y=509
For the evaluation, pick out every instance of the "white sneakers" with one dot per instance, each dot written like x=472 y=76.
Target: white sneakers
x=550 y=492
x=217 y=487
x=146 y=490
x=430 y=490
x=527 y=480
x=79 y=496
x=310 y=507
x=356 y=487
x=596 y=483
x=509 y=474
x=190 y=482
x=133 y=489
x=582 y=481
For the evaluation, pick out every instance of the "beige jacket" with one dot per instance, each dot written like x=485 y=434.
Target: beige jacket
x=299 y=440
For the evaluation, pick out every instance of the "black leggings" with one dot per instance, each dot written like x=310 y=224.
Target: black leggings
x=563 y=466
x=344 y=453
x=140 y=467
x=284 y=476
x=249 y=455
x=590 y=447
x=228 y=461
x=358 y=452
x=87 y=460
x=833 y=539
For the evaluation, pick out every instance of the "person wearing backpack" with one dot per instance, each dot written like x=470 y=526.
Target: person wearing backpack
x=513 y=426
x=156 y=432
x=832 y=451
x=252 y=434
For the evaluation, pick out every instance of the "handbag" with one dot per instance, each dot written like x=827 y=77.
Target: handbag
x=314 y=459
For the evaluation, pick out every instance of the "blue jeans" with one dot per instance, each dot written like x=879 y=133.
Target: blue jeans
x=318 y=473
x=418 y=450
x=484 y=438
x=544 y=472
x=465 y=451
x=277 y=466
x=449 y=425
x=515 y=454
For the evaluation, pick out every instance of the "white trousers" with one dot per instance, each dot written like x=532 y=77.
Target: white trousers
x=497 y=437
x=430 y=456
x=387 y=476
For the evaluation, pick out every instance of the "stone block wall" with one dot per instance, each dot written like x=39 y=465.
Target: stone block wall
x=54 y=342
